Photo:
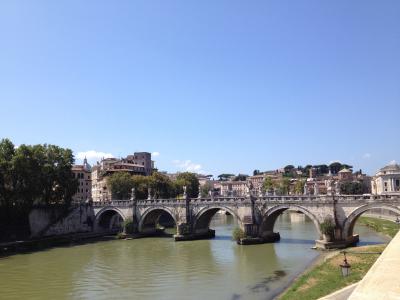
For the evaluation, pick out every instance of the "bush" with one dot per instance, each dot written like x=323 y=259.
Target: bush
x=327 y=227
x=129 y=226
x=238 y=234
x=120 y=236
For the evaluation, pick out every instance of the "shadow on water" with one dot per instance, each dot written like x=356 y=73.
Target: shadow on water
x=367 y=243
x=297 y=241
x=263 y=286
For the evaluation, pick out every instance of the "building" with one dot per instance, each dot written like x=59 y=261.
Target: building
x=345 y=175
x=386 y=180
x=233 y=188
x=83 y=174
x=139 y=163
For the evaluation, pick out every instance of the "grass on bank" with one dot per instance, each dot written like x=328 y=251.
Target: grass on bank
x=386 y=227
x=326 y=278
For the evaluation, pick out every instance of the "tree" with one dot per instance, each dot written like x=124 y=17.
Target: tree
x=162 y=186
x=299 y=187
x=284 y=186
x=322 y=169
x=37 y=174
x=205 y=189
x=190 y=181
x=120 y=185
x=352 y=188
x=268 y=184
x=141 y=184
x=240 y=177
x=256 y=172
x=288 y=169
x=225 y=177
x=335 y=167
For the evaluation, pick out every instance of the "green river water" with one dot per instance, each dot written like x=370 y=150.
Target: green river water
x=159 y=268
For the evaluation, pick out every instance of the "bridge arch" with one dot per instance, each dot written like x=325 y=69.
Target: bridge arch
x=149 y=219
x=203 y=218
x=348 y=224
x=270 y=217
x=109 y=219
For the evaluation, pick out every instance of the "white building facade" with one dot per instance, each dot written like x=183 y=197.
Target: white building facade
x=387 y=180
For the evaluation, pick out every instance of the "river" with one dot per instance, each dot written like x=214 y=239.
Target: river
x=159 y=268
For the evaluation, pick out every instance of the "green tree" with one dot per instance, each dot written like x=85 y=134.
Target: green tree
x=299 y=187
x=141 y=184
x=162 y=186
x=268 y=184
x=120 y=185
x=225 y=177
x=205 y=189
x=190 y=181
x=284 y=186
x=240 y=177
x=352 y=188
x=38 y=174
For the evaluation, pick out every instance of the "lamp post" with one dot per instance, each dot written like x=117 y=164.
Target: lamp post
x=345 y=266
x=398 y=221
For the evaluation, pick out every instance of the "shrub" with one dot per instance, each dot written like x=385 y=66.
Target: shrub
x=238 y=234
x=129 y=226
x=327 y=227
x=120 y=236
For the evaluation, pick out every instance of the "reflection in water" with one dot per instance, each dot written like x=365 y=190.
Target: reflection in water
x=159 y=268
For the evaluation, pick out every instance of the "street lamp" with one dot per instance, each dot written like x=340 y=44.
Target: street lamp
x=398 y=221
x=345 y=266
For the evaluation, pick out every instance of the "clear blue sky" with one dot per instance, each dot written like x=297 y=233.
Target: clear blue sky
x=214 y=86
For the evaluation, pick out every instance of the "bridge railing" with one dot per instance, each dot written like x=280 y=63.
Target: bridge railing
x=120 y=203
x=272 y=199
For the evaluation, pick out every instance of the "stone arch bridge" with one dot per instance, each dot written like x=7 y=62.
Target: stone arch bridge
x=255 y=215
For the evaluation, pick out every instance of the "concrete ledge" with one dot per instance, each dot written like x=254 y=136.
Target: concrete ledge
x=324 y=245
x=192 y=237
x=274 y=237
x=382 y=280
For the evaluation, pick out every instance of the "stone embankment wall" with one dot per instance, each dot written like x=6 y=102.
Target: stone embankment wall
x=52 y=221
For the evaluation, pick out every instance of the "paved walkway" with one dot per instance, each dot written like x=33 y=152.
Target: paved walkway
x=383 y=279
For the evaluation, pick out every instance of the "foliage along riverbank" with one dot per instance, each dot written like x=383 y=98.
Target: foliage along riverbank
x=383 y=226
x=325 y=276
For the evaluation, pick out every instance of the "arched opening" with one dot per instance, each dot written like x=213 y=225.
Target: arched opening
x=158 y=222
x=385 y=212
x=220 y=219
x=292 y=222
x=110 y=221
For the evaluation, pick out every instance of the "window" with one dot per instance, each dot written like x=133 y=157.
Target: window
x=397 y=182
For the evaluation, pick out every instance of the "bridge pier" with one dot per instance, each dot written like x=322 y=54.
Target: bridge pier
x=337 y=244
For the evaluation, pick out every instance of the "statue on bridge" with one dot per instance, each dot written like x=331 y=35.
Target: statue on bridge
x=149 y=193
x=133 y=194
x=316 y=189
x=329 y=187
x=337 y=188
x=184 y=192
x=306 y=189
x=249 y=189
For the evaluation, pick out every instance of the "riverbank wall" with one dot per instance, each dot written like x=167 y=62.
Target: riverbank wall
x=58 y=221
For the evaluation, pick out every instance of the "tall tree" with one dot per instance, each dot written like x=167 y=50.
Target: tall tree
x=38 y=174
x=299 y=187
x=120 y=185
x=190 y=181
x=268 y=184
